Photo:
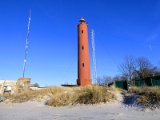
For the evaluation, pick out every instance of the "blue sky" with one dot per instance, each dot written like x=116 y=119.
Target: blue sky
x=122 y=28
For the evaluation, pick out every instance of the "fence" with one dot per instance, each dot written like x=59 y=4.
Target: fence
x=150 y=81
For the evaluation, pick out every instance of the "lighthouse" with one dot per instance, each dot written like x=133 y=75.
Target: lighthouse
x=84 y=77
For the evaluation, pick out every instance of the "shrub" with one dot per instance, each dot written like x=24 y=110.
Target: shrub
x=93 y=95
x=149 y=96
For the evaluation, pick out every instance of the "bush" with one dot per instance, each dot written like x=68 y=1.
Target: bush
x=87 y=95
x=93 y=95
x=149 y=96
x=60 y=100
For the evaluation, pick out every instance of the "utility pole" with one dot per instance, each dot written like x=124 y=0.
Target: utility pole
x=94 y=55
x=26 y=45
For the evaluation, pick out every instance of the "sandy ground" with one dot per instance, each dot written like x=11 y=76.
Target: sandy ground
x=110 y=111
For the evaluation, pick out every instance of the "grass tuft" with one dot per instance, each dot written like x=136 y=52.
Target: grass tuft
x=62 y=96
x=93 y=95
x=149 y=96
x=86 y=95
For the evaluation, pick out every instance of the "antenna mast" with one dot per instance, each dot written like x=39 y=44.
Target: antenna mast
x=94 y=56
x=26 y=45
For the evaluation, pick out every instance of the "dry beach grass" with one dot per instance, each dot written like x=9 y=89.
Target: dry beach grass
x=86 y=95
x=62 y=96
x=149 y=97
x=31 y=108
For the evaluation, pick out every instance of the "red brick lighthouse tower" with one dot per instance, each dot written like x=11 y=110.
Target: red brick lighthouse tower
x=84 y=77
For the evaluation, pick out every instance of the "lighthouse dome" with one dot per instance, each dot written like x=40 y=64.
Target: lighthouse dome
x=82 y=20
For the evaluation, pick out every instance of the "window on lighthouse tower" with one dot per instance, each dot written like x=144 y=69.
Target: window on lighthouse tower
x=82 y=47
x=82 y=64
x=82 y=31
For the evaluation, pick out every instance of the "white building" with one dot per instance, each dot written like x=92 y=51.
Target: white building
x=7 y=86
